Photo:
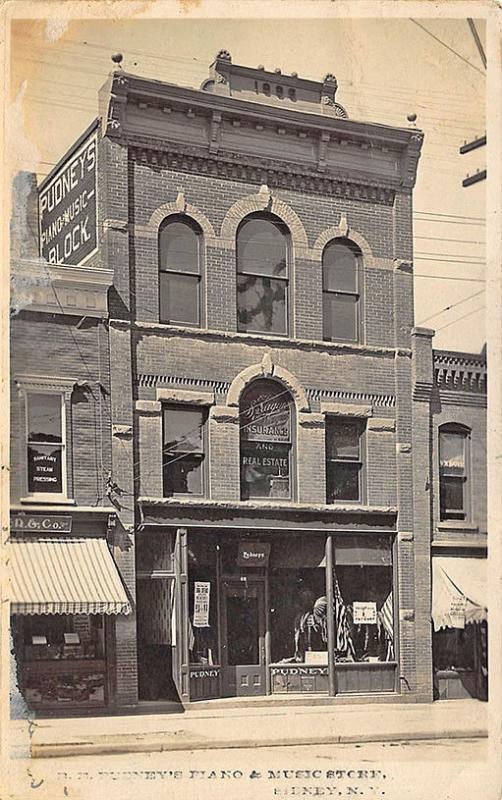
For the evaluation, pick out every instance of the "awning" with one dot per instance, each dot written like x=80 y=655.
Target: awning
x=459 y=591
x=65 y=576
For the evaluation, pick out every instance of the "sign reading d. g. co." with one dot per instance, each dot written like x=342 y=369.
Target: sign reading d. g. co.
x=68 y=208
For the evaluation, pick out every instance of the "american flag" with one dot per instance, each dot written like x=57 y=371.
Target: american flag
x=343 y=640
x=387 y=620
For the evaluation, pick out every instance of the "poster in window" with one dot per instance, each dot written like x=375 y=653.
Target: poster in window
x=44 y=469
x=458 y=605
x=365 y=613
x=201 y=604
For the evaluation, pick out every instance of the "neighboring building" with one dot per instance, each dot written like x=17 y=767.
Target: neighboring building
x=267 y=408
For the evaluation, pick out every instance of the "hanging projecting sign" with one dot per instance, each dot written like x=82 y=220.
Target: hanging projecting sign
x=365 y=613
x=201 y=604
x=68 y=208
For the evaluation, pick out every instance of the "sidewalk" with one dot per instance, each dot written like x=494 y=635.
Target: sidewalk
x=249 y=727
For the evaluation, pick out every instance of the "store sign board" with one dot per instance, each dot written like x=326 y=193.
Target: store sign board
x=365 y=613
x=201 y=604
x=304 y=671
x=68 y=208
x=253 y=554
x=47 y=523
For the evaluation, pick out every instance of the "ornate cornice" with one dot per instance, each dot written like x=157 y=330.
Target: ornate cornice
x=253 y=169
x=460 y=373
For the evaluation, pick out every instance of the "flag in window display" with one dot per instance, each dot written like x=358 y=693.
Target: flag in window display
x=387 y=620
x=343 y=641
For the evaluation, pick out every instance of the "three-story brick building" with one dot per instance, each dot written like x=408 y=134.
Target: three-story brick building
x=272 y=406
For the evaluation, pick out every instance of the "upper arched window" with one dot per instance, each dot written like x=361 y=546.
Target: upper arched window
x=262 y=275
x=180 y=280
x=341 y=265
x=454 y=458
x=266 y=414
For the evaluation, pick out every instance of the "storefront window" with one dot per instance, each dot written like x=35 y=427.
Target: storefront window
x=454 y=648
x=266 y=443
x=298 y=616
x=363 y=600
x=202 y=601
x=60 y=637
x=45 y=443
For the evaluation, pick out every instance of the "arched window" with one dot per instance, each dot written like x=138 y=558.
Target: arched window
x=180 y=272
x=341 y=264
x=266 y=414
x=262 y=275
x=454 y=459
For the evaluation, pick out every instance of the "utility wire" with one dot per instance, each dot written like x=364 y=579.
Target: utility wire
x=437 y=39
x=449 y=308
x=475 y=311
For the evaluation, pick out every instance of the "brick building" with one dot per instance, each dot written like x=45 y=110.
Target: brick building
x=270 y=416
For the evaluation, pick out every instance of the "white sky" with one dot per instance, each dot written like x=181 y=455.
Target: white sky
x=386 y=68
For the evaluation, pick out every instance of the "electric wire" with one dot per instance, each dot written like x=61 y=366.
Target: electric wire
x=451 y=49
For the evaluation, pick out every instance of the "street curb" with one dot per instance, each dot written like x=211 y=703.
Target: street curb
x=110 y=748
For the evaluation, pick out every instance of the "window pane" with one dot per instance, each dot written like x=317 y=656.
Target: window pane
x=45 y=468
x=261 y=304
x=452 y=497
x=262 y=248
x=452 y=453
x=179 y=247
x=339 y=268
x=44 y=418
x=266 y=413
x=264 y=470
x=342 y=481
x=183 y=430
x=343 y=439
x=183 y=475
x=179 y=298
x=340 y=317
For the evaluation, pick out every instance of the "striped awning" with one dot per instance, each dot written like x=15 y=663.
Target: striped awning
x=65 y=576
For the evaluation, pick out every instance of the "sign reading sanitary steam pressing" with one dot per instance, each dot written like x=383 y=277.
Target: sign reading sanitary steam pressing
x=68 y=208
x=365 y=613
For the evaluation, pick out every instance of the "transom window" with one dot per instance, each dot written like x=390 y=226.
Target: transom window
x=344 y=464
x=453 y=472
x=262 y=275
x=180 y=279
x=184 y=450
x=341 y=292
x=266 y=441
x=46 y=443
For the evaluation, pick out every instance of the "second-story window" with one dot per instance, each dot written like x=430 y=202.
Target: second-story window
x=341 y=292
x=344 y=460
x=46 y=444
x=184 y=450
x=262 y=275
x=180 y=279
x=453 y=472
x=266 y=441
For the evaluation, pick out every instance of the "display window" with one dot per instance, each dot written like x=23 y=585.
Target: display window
x=298 y=616
x=62 y=637
x=203 y=601
x=363 y=599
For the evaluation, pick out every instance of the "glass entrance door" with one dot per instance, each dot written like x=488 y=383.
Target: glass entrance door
x=243 y=636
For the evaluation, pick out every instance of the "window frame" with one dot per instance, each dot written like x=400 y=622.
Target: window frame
x=286 y=233
x=291 y=448
x=358 y=293
x=195 y=228
x=204 y=413
x=361 y=461
x=453 y=515
x=47 y=496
